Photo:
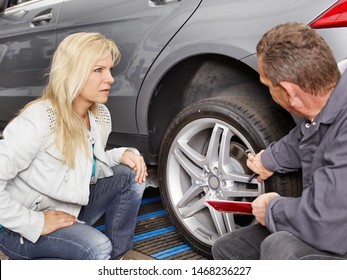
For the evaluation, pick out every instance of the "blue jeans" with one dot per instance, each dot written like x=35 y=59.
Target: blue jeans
x=256 y=242
x=118 y=197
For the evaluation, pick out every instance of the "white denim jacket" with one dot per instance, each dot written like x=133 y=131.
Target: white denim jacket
x=33 y=177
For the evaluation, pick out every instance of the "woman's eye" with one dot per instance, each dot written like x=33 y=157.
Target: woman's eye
x=97 y=70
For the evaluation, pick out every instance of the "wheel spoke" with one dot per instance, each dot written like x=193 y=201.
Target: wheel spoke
x=224 y=222
x=237 y=177
x=190 y=153
x=193 y=171
x=242 y=193
x=190 y=194
x=218 y=220
x=190 y=210
x=224 y=153
x=213 y=146
x=229 y=221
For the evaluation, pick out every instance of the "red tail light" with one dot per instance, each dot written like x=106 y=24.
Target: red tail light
x=335 y=16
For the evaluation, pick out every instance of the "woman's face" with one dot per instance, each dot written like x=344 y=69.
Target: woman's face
x=97 y=86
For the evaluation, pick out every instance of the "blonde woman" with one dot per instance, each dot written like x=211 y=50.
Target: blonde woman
x=56 y=179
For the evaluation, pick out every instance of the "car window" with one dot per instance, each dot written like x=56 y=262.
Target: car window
x=12 y=3
x=4 y=4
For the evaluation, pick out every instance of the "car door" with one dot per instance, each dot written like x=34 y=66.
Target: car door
x=27 y=41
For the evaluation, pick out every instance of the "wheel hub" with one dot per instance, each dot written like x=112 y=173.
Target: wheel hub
x=213 y=182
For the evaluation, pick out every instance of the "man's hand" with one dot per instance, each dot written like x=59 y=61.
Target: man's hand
x=137 y=163
x=55 y=220
x=254 y=163
x=260 y=205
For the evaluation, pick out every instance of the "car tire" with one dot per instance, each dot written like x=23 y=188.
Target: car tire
x=203 y=155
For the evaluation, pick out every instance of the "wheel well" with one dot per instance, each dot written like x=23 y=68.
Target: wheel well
x=194 y=79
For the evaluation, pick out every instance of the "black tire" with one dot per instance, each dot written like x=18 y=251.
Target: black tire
x=192 y=167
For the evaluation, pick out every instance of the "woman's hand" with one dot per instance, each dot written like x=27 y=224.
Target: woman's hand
x=137 y=163
x=55 y=220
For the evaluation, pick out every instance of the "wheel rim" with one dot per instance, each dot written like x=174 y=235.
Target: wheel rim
x=207 y=160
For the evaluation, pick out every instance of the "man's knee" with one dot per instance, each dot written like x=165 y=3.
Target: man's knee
x=217 y=249
x=279 y=246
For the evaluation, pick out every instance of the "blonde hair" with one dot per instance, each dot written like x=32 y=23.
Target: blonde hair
x=71 y=66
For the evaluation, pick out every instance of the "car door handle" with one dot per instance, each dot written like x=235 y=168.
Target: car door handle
x=42 y=18
x=163 y=2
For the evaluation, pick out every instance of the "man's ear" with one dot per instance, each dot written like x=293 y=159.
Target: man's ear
x=291 y=89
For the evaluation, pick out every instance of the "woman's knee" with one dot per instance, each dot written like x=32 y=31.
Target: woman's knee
x=127 y=176
x=102 y=250
x=97 y=248
x=80 y=242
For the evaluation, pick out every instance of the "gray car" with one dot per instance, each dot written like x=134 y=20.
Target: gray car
x=187 y=91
